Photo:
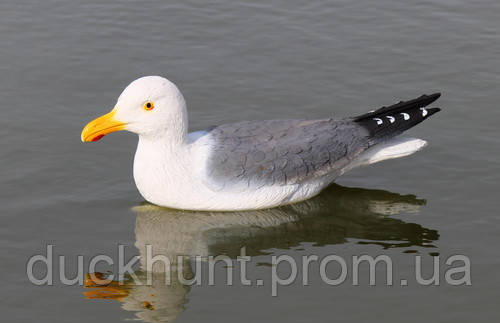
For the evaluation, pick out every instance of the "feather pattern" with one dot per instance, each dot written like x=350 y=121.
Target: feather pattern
x=282 y=152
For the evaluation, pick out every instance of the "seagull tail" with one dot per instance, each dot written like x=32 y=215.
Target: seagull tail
x=391 y=121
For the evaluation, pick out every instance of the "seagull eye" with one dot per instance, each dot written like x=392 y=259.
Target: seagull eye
x=148 y=106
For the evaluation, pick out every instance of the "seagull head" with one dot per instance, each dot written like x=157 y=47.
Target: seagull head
x=151 y=106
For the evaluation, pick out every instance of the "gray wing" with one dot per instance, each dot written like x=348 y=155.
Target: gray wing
x=282 y=152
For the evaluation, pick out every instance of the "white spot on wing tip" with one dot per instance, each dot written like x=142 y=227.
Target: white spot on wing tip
x=406 y=116
x=391 y=119
x=379 y=121
x=424 y=112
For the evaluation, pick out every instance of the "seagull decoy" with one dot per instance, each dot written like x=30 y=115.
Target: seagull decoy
x=249 y=164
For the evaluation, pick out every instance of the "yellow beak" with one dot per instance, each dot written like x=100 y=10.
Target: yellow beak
x=98 y=128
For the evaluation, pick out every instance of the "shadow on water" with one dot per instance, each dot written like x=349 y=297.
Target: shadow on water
x=333 y=217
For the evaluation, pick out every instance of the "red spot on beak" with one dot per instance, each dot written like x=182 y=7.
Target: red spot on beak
x=97 y=138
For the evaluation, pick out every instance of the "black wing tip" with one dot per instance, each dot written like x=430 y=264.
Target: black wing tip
x=433 y=110
x=434 y=96
x=427 y=99
x=422 y=101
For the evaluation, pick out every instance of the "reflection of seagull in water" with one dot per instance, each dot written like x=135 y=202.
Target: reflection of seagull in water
x=338 y=214
x=251 y=164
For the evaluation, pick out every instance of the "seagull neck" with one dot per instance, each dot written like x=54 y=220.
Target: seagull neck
x=172 y=135
x=163 y=143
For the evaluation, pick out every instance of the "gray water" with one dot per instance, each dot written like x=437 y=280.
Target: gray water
x=63 y=63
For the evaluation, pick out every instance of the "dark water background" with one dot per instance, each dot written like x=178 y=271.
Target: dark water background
x=63 y=63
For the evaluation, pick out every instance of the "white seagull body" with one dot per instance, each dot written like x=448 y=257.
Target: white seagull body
x=252 y=164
